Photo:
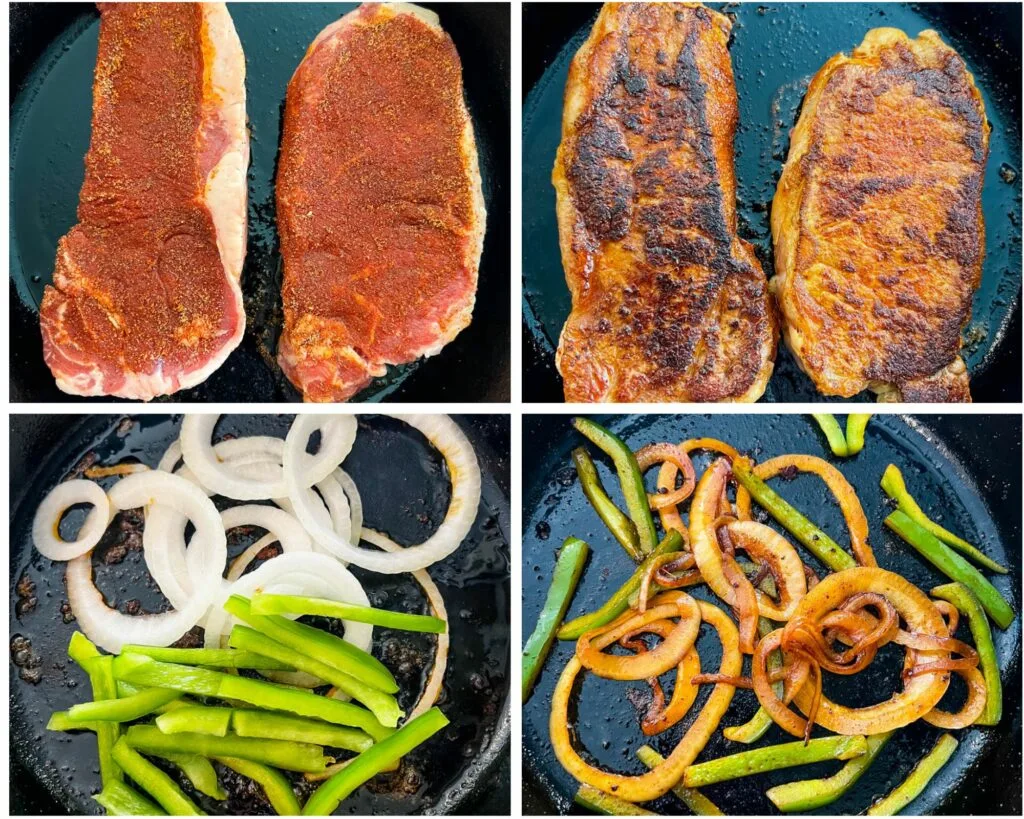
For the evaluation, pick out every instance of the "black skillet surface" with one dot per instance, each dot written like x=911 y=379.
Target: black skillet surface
x=964 y=471
x=405 y=491
x=776 y=49
x=53 y=54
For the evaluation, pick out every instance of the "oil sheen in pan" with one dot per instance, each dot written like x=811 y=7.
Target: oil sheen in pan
x=408 y=502
x=605 y=716
x=50 y=128
x=776 y=49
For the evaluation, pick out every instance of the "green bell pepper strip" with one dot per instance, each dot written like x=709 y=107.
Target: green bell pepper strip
x=119 y=799
x=200 y=772
x=856 y=423
x=697 y=802
x=99 y=669
x=294 y=604
x=277 y=788
x=772 y=758
x=833 y=432
x=615 y=519
x=757 y=726
x=198 y=719
x=961 y=597
x=952 y=565
x=268 y=725
x=123 y=710
x=142 y=670
x=911 y=787
x=894 y=486
x=60 y=721
x=568 y=568
x=154 y=781
x=810 y=794
x=619 y=602
x=312 y=642
x=600 y=802
x=630 y=477
x=383 y=706
x=371 y=762
x=213 y=657
x=809 y=534
x=291 y=756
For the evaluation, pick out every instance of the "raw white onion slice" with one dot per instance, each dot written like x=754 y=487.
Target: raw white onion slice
x=109 y=628
x=241 y=563
x=355 y=502
x=201 y=459
x=302 y=573
x=432 y=690
x=46 y=524
x=444 y=434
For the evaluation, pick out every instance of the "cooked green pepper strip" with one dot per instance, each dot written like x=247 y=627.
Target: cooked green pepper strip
x=697 y=802
x=772 y=758
x=123 y=710
x=384 y=706
x=100 y=670
x=566 y=575
x=894 y=486
x=630 y=477
x=213 y=657
x=809 y=534
x=371 y=762
x=313 y=642
x=856 y=423
x=952 y=565
x=600 y=802
x=294 y=604
x=143 y=670
x=961 y=597
x=615 y=519
x=619 y=602
x=757 y=726
x=292 y=756
x=154 y=781
x=120 y=800
x=200 y=773
x=268 y=725
x=833 y=432
x=278 y=789
x=198 y=719
x=911 y=787
x=810 y=794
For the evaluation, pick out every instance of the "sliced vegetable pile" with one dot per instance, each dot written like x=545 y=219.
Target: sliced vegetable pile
x=794 y=626
x=191 y=706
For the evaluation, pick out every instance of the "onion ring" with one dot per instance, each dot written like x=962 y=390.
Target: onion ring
x=671 y=456
x=241 y=563
x=768 y=548
x=668 y=654
x=659 y=780
x=46 y=524
x=846 y=497
x=111 y=629
x=458 y=453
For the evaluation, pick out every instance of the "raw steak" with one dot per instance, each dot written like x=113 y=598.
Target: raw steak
x=379 y=202
x=145 y=297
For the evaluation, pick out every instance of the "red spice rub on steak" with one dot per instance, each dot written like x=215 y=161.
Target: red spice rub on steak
x=145 y=297
x=379 y=202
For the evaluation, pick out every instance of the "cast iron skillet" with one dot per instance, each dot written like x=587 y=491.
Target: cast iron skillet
x=965 y=472
x=776 y=49
x=53 y=54
x=403 y=483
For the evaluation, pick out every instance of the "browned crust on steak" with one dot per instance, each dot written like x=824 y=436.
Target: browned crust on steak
x=877 y=221
x=668 y=303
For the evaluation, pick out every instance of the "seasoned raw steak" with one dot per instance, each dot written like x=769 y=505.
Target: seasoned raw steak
x=145 y=298
x=669 y=304
x=877 y=221
x=379 y=202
